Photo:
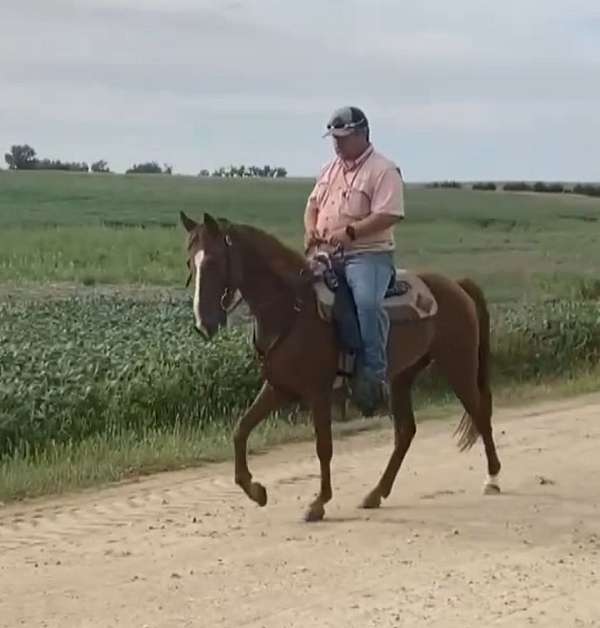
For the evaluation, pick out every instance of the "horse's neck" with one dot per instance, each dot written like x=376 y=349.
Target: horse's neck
x=264 y=291
x=268 y=289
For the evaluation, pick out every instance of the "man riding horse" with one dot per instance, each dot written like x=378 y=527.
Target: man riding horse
x=355 y=203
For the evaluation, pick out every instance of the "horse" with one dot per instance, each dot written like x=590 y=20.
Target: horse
x=299 y=351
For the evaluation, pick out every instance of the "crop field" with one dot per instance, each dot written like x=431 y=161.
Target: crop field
x=114 y=229
x=101 y=375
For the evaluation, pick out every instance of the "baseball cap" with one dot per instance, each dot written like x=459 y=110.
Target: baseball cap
x=345 y=121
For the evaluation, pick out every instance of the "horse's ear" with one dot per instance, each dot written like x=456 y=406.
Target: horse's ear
x=188 y=223
x=212 y=226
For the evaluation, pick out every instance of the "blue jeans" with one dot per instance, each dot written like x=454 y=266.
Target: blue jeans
x=369 y=275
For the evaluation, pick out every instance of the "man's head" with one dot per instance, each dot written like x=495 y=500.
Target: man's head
x=349 y=128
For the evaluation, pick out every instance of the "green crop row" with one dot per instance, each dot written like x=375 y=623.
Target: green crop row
x=77 y=367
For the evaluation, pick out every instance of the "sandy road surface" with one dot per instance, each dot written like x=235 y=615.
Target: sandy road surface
x=188 y=549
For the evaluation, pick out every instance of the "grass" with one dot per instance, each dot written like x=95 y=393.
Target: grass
x=527 y=261
x=114 y=229
x=69 y=199
x=101 y=460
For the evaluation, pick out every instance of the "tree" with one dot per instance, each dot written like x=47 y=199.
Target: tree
x=100 y=166
x=150 y=167
x=21 y=157
x=204 y=173
x=57 y=164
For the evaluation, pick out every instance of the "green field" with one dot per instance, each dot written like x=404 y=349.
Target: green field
x=101 y=376
x=113 y=229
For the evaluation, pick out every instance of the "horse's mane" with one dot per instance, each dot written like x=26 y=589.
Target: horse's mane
x=279 y=258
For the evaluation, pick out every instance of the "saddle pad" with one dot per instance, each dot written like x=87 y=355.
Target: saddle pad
x=410 y=299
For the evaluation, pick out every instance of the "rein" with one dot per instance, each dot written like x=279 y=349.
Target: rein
x=232 y=287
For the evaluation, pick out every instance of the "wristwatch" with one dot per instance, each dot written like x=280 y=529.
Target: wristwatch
x=350 y=232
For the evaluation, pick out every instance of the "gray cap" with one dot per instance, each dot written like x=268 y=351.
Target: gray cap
x=345 y=121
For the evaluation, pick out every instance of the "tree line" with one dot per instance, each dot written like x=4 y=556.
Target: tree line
x=587 y=189
x=244 y=172
x=24 y=157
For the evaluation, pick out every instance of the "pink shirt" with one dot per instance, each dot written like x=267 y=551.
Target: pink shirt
x=347 y=192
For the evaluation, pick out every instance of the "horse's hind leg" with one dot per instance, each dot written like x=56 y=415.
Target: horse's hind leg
x=267 y=400
x=483 y=420
x=404 y=432
x=478 y=416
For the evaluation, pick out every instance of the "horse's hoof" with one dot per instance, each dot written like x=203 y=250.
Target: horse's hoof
x=491 y=489
x=316 y=512
x=258 y=493
x=492 y=485
x=372 y=500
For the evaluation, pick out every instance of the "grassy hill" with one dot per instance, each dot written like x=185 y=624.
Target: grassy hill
x=91 y=229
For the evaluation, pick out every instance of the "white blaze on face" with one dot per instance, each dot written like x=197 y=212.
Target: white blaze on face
x=197 y=261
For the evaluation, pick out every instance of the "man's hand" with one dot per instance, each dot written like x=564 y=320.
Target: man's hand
x=311 y=237
x=339 y=236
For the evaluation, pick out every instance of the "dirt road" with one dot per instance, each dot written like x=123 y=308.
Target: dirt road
x=189 y=549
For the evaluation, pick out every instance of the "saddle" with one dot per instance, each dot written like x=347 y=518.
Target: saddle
x=408 y=299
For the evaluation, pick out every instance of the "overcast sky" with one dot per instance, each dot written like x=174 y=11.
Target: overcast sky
x=469 y=89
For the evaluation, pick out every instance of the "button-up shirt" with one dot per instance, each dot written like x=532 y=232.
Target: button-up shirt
x=347 y=192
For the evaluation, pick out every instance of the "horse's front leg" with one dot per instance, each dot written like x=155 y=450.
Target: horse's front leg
x=321 y=412
x=267 y=400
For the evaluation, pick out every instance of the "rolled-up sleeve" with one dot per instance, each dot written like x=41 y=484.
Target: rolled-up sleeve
x=388 y=193
x=311 y=201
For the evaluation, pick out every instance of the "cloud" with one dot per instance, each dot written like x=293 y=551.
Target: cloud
x=214 y=81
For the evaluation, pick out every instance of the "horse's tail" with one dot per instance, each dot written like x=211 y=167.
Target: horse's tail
x=467 y=430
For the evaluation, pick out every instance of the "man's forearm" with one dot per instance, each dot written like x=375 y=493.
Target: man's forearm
x=374 y=223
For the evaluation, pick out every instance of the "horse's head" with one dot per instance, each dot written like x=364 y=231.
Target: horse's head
x=214 y=270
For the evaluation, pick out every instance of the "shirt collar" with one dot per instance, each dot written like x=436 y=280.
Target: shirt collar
x=355 y=163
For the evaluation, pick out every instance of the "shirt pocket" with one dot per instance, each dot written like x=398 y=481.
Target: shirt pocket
x=357 y=201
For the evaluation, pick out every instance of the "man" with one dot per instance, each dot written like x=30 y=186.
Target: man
x=356 y=201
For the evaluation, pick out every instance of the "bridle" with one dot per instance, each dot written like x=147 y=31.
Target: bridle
x=226 y=301
x=233 y=283
x=231 y=287
x=233 y=277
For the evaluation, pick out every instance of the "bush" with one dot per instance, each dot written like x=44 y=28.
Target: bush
x=100 y=166
x=553 y=188
x=517 y=186
x=56 y=164
x=552 y=339
x=484 y=186
x=150 y=167
x=587 y=188
x=445 y=184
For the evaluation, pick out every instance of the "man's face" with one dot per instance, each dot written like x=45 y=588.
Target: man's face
x=350 y=146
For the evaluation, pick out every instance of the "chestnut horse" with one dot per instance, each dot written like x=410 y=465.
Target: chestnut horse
x=300 y=355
